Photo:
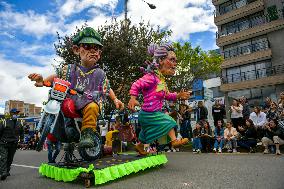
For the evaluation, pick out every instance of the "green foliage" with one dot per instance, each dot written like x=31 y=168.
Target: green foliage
x=125 y=50
x=64 y=45
x=193 y=63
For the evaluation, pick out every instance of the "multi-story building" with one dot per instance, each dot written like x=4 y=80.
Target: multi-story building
x=25 y=109
x=251 y=39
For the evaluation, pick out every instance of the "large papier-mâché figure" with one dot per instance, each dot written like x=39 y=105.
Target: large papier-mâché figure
x=85 y=76
x=154 y=123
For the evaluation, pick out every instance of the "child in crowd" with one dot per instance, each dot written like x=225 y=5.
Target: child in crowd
x=196 y=138
x=230 y=136
x=219 y=137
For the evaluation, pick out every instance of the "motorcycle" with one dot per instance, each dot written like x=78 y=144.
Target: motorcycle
x=64 y=123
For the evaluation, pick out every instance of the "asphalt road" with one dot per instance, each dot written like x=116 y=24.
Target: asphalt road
x=184 y=170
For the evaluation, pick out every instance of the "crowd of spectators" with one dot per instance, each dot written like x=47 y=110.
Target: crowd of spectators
x=30 y=139
x=264 y=125
x=247 y=128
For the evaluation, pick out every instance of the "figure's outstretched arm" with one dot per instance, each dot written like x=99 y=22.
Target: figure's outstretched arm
x=118 y=103
x=39 y=79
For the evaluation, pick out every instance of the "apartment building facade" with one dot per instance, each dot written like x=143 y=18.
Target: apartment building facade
x=26 y=109
x=251 y=39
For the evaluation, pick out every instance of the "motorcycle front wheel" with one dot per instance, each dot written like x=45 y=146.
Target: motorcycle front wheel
x=91 y=154
x=46 y=128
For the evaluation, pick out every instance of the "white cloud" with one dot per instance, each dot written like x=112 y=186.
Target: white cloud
x=75 y=6
x=29 y=22
x=15 y=85
x=181 y=16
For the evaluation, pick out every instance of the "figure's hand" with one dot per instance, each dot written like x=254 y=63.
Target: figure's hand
x=132 y=103
x=37 y=78
x=183 y=95
x=118 y=104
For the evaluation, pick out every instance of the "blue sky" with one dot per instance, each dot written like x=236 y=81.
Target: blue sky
x=28 y=31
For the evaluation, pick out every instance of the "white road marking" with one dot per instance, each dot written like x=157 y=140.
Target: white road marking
x=26 y=166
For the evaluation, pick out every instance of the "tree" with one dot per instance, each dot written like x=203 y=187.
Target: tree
x=63 y=47
x=193 y=63
x=125 y=51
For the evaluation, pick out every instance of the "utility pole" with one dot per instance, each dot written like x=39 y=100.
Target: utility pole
x=125 y=9
x=151 y=6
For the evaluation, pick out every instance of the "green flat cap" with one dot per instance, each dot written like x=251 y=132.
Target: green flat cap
x=87 y=35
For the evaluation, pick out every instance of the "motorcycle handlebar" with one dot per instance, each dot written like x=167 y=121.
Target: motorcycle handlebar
x=70 y=91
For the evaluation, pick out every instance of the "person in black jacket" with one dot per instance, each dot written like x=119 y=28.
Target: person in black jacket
x=185 y=127
x=206 y=137
x=249 y=135
x=11 y=130
x=202 y=112
x=269 y=132
x=246 y=109
x=218 y=112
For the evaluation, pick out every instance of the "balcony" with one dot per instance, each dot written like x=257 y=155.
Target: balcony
x=246 y=54
x=259 y=26
x=254 y=78
x=246 y=9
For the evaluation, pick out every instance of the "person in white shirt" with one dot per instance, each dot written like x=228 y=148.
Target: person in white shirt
x=259 y=120
x=237 y=114
x=103 y=130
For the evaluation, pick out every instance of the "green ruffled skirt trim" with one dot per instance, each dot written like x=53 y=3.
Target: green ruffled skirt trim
x=103 y=175
x=117 y=171
x=62 y=174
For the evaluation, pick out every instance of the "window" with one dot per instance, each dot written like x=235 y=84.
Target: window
x=248 y=72
x=240 y=3
x=226 y=7
x=263 y=69
x=243 y=25
x=246 y=47
x=233 y=75
x=260 y=44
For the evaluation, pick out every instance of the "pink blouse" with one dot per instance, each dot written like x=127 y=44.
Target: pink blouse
x=154 y=92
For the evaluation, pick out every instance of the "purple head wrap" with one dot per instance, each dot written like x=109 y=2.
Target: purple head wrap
x=156 y=52
x=159 y=51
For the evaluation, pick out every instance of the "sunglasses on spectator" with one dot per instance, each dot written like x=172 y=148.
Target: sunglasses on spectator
x=87 y=46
